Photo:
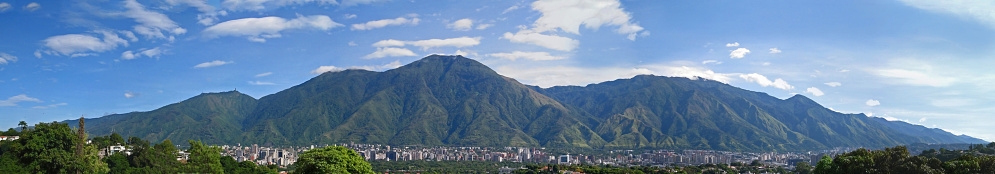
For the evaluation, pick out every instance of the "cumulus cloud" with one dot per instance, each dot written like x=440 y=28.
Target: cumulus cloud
x=4 y=6
x=151 y=24
x=834 y=84
x=459 y=42
x=386 y=22
x=349 y=16
x=765 y=82
x=734 y=44
x=261 y=83
x=391 y=65
x=154 y=52
x=535 y=56
x=814 y=91
x=323 y=69
x=568 y=16
x=258 y=29
x=50 y=106
x=466 y=53
x=461 y=25
x=484 y=26
x=264 y=74
x=739 y=53
x=774 y=51
x=70 y=44
x=12 y=101
x=706 y=62
x=212 y=64
x=7 y=58
x=872 y=102
x=389 y=52
x=32 y=6
x=551 y=41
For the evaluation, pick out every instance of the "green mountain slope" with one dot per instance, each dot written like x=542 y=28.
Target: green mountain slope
x=211 y=117
x=456 y=101
x=439 y=100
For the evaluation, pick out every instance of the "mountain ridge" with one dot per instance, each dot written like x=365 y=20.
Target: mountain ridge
x=457 y=101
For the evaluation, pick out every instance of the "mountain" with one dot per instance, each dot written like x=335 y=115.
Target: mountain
x=456 y=101
x=211 y=117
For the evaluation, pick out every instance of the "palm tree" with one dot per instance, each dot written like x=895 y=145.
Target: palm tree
x=24 y=125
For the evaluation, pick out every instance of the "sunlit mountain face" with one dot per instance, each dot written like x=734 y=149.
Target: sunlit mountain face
x=644 y=73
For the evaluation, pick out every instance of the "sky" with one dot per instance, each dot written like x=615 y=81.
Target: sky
x=920 y=61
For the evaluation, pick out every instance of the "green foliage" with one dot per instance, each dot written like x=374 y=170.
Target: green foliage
x=418 y=166
x=49 y=148
x=331 y=159
x=203 y=159
x=802 y=167
x=825 y=166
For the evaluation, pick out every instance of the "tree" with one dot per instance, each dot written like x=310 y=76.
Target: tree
x=825 y=166
x=24 y=126
x=204 y=159
x=51 y=148
x=116 y=139
x=802 y=167
x=332 y=159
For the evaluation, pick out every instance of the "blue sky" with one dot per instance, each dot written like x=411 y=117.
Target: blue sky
x=920 y=61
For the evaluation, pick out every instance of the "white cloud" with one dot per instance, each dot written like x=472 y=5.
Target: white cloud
x=549 y=41
x=814 y=91
x=323 y=69
x=70 y=44
x=734 y=44
x=461 y=25
x=4 y=6
x=128 y=34
x=264 y=74
x=385 y=22
x=209 y=14
x=982 y=11
x=261 y=83
x=765 y=64
x=12 y=101
x=7 y=58
x=258 y=29
x=562 y=75
x=389 y=52
x=152 y=24
x=535 y=56
x=872 y=102
x=509 y=9
x=834 y=84
x=706 y=62
x=154 y=52
x=50 y=106
x=921 y=77
x=129 y=94
x=738 y=53
x=32 y=6
x=484 y=26
x=774 y=51
x=258 y=5
x=466 y=53
x=349 y=16
x=351 y=43
x=844 y=70
x=388 y=66
x=568 y=16
x=459 y=42
x=212 y=64
x=923 y=119
x=38 y=53
x=763 y=81
x=389 y=43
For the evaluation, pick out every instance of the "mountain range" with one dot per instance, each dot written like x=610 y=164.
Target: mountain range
x=457 y=101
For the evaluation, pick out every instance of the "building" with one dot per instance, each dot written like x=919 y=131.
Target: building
x=564 y=159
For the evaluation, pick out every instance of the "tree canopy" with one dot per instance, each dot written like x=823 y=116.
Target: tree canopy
x=332 y=159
